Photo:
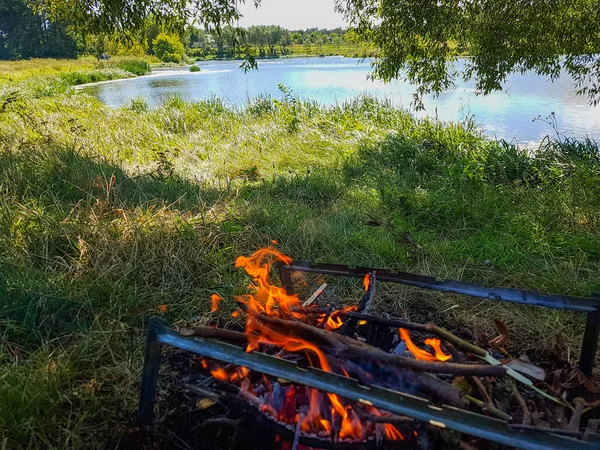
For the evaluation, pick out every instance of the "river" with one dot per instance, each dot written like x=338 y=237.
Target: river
x=508 y=114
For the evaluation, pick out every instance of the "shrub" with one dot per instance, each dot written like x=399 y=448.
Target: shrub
x=168 y=48
x=194 y=69
x=138 y=104
x=93 y=76
x=136 y=66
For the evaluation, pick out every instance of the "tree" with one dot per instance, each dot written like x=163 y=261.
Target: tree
x=418 y=38
x=168 y=48
x=27 y=34
x=126 y=16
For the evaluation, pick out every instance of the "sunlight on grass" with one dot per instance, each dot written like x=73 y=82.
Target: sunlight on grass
x=106 y=215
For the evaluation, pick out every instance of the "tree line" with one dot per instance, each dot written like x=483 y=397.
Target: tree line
x=29 y=33
x=260 y=40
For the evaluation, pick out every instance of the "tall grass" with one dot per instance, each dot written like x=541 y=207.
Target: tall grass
x=107 y=215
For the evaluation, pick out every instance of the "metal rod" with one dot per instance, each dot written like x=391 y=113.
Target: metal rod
x=521 y=296
x=396 y=402
x=285 y=275
x=150 y=372
x=589 y=346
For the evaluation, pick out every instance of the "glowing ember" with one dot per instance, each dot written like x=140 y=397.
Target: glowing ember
x=215 y=299
x=219 y=373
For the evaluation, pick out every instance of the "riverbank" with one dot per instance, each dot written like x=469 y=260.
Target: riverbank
x=298 y=51
x=111 y=216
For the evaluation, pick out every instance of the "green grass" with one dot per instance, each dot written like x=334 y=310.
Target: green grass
x=14 y=71
x=106 y=214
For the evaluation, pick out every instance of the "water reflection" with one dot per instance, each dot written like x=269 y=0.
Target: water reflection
x=166 y=83
x=508 y=114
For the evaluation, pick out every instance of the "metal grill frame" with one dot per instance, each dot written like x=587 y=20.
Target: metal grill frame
x=159 y=334
x=445 y=417
x=588 y=305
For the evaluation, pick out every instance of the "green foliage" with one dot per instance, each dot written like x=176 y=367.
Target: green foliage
x=194 y=69
x=93 y=76
x=418 y=39
x=138 y=105
x=28 y=34
x=136 y=66
x=168 y=48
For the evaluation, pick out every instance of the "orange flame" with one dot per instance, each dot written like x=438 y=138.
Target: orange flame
x=215 y=299
x=421 y=354
x=366 y=282
x=219 y=373
x=436 y=345
x=392 y=433
x=273 y=301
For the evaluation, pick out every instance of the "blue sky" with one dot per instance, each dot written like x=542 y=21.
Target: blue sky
x=292 y=14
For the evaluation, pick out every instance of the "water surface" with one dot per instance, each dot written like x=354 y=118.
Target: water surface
x=508 y=114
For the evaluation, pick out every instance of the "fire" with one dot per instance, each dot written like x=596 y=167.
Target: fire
x=269 y=299
x=366 y=282
x=215 y=299
x=421 y=354
x=323 y=409
x=436 y=345
x=220 y=374
x=392 y=433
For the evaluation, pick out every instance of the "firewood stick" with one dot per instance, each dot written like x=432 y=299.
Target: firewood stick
x=576 y=416
x=214 y=333
x=526 y=414
x=297 y=432
x=393 y=420
x=316 y=294
x=350 y=325
x=425 y=328
x=458 y=342
x=549 y=415
x=482 y=390
x=353 y=349
x=489 y=408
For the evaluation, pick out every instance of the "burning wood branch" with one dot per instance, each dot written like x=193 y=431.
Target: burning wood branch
x=330 y=339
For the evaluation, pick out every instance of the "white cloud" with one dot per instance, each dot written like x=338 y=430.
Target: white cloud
x=292 y=14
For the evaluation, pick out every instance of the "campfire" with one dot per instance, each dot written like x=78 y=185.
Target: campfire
x=420 y=360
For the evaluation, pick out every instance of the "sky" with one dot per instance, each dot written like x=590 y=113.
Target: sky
x=292 y=14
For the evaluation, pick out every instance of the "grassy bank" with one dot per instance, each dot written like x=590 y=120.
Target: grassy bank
x=111 y=216
x=73 y=71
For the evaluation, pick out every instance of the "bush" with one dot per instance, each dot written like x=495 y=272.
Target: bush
x=138 y=104
x=136 y=66
x=168 y=48
x=194 y=69
x=94 y=76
